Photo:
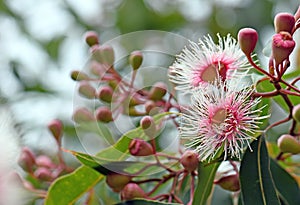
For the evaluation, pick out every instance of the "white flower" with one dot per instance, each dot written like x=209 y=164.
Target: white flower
x=203 y=63
x=223 y=117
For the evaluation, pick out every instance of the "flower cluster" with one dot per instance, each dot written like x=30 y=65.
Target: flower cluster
x=222 y=117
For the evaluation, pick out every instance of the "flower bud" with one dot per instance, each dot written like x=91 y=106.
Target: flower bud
x=56 y=128
x=230 y=182
x=44 y=161
x=83 y=115
x=26 y=159
x=190 y=160
x=117 y=181
x=86 y=90
x=284 y=22
x=79 y=76
x=105 y=94
x=148 y=125
x=247 y=38
x=288 y=144
x=139 y=147
x=157 y=91
x=104 y=114
x=149 y=106
x=131 y=111
x=107 y=55
x=91 y=38
x=296 y=113
x=95 y=50
x=97 y=68
x=282 y=46
x=132 y=191
x=136 y=59
x=43 y=174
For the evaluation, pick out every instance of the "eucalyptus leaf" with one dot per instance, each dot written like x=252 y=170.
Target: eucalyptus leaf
x=206 y=175
x=286 y=185
x=69 y=188
x=145 y=202
x=257 y=185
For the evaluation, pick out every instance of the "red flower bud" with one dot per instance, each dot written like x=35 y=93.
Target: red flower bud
x=132 y=191
x=284 y=22
x=91 y=38
x=148 y=125
x=288 y=144
x=26 y=159
x=104 y=114
x=117 y=181
x=139 y=147
x=282 y=46
x=136 y=59
x=44 y=161
x=230 y=182
x=247 y=38
x=43 y=174
x=105 y=94
x=56 y=128
x=86 y=90
x=190 y=160
x=107 y=54
x=157 y=91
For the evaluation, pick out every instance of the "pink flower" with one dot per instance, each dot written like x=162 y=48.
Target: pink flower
x=203 y=63
x=222 y=118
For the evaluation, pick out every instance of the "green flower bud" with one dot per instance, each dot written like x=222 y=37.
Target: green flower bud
x=107 y=55
x=117 y=181
x=91 y=38
x=132 y=191
x=230 y=182
x=190 y=160
x=105 y=94
x=79 y=76
x=157 y=91
x=104 y=114
x=296 y=113
x=86 y=90
x=136 y=59
x=83 y=115
x=148 y=125
x=288 y=144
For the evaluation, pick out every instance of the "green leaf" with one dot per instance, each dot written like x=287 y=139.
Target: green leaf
x=206 y=175
x=69 y=188
x=257 y=185
x=144 y=202
x=286 y=185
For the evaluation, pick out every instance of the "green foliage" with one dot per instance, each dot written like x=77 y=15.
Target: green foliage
x=256 y=179
x=67 y=189
x=206 y=176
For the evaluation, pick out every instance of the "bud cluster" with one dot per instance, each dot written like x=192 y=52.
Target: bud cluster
x=282 y=46
x=115 y=94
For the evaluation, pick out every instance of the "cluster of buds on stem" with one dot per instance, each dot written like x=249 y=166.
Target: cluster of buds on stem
x=283 y=44
x=117 y=95
x=42 y=169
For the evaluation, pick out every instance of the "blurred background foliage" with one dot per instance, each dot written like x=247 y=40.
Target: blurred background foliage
x=42 y=41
